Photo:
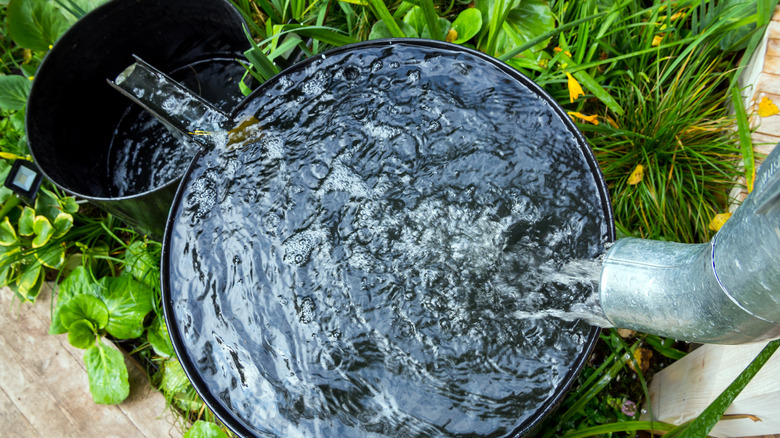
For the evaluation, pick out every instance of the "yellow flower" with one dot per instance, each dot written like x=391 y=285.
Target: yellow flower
x=590 y=119
x=575 y=90
x=767 y=108
x=558 y=49
x=636 y=176
x=452 y=35
x=717 y=222
x=657 y=40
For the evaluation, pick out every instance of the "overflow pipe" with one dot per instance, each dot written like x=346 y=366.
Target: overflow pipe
x=726 y=291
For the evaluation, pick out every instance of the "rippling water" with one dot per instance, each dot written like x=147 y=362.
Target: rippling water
x=354 y=262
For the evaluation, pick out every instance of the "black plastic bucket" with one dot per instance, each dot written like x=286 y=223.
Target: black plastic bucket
x=72 y=112
x=331 y=271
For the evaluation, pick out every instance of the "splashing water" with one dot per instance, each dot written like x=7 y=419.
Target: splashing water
x=381 y=256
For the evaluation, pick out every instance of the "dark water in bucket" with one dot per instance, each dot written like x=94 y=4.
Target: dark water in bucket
x=144 y=155
x=355 y=262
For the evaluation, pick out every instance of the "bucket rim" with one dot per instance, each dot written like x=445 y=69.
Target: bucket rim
x=533 y=421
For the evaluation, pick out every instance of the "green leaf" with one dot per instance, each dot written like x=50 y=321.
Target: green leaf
x=7 y=233
x=174 y=379
x=467 y=25
x=6 y=275
x=380 y=30
x=75 y=9
x=35 y=24
x=14 y=90
x=84 y=307
x=30 y=281
x=47 y=205
x=444 y=26
x=159 y=338
x=52 y=256
x=205 y=429
x=416 y=19
x=26 y=221
x=704 y=423
x=69 y=205
x=43 y=231
x=62 y=224
x=433 y=21
x=745 y=140
x=107 y=372
x=530 y=19
x=384 y=16
x=76 y=283
x=82 y=334
x=128 y=302
x=142 y=265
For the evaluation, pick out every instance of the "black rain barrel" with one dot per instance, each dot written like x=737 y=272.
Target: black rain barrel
x=360 y=258
x=72 y=113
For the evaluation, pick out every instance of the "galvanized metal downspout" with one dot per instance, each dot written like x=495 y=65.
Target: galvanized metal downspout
x=726 y=291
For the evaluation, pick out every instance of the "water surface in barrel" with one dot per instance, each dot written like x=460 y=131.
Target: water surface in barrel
x=354 y=264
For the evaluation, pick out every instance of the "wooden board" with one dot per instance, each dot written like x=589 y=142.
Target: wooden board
x=44 y=389
x=684 y=389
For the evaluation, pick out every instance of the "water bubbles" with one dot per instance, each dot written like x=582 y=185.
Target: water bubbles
x=413 y=76
x=299 y=247
x=307 y=310
x=316 y=84
x=376 y=66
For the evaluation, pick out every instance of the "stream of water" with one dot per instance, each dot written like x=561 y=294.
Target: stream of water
x=399 y=244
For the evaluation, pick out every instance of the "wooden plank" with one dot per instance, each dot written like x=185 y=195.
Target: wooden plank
x=13 y=421
x=45 y=379
x=685 y=388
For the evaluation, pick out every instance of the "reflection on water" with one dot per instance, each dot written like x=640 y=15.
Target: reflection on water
x=357 y=269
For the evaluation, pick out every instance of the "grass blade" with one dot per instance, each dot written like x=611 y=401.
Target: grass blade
x=385 y=15
x=522 y=48
x=623 y=426
x=745 y=142
x=431 y=18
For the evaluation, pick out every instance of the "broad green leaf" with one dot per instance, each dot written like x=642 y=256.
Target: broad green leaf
x=142 y=265
x=14 y=90
x=69 y=205
x=107 y=372
x=26 y=221
x=6 y=274
x=7 y=233
x=30 y=281
x=8 y=254
x=467 y=25
x=444 y=27
x=62 y=224
x=76 y=283
x=35 y=24
x=380 y=31
x=75 y=9
x=47 y=205
x=530 y=19
x=159 y=338
x=84 y=307
x=174 y=379
x=205 y=429
x=43 y=231
x=82 y=334
x=416 y=19
x=51 y=256
x=128 y=302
